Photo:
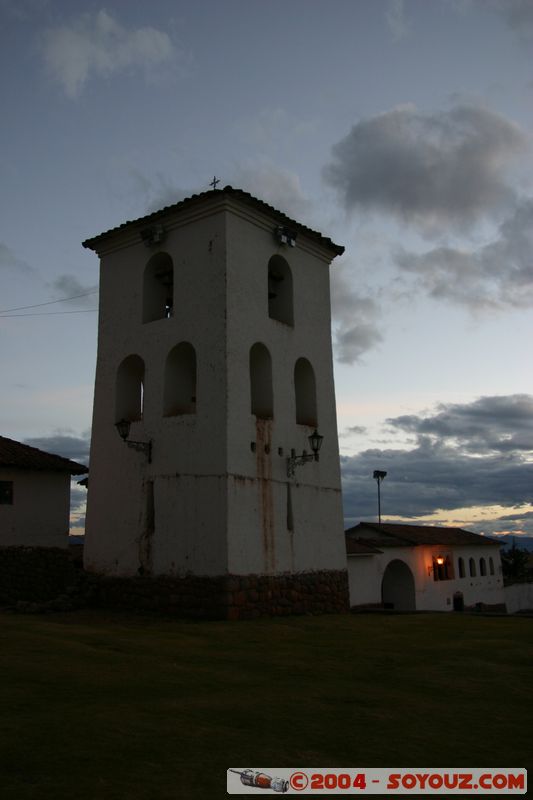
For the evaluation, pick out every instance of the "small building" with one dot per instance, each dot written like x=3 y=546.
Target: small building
x=422 y=568
x=34 y=496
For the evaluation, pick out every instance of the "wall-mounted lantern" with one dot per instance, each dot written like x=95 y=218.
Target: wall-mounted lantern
x=315 y=443
x=286 y=235
x=155 y=234
x=123 y=428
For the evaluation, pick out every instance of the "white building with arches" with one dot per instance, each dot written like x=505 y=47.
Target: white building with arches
x=423 y=568
x=214 y=346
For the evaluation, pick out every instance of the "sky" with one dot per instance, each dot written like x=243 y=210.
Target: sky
x=402 y=129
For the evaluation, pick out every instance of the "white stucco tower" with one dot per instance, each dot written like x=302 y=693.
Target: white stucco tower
x=215 y=344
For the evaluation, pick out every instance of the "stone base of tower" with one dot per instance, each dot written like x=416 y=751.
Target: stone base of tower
x=226 y=597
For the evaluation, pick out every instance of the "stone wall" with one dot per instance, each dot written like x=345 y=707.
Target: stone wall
x=35 y=574
x=37 y=580
x=226 y=597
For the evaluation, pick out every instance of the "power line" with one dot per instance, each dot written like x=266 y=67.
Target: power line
x=47 y=313
x=49 y=303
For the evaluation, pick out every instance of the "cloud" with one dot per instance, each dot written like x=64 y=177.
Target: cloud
x=432 y=477
x=355 y=315
x=74 y=292
x=518 y=14
x=490 y=425
x=466 y=455
x=498 y=275
x=99 y=46
x=355 y=430
x=432 y=170
x=62 y=443
x=278 y=187
x=395 y=18
x=10 y=261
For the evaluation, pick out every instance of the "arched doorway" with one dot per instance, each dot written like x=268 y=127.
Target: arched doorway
x=398 y=587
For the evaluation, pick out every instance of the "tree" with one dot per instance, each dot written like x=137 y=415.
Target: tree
x=514 y=562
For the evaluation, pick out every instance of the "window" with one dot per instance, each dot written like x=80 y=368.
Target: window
x=180 y=381
x=129 y=400
x=472 y=567
x=461 y=567
x=491 y=565
x=261 y=382
x=442 y=568
x=482 y=566
x=6 y=493
x=305 y=393
x=280 y=302
x=158 y=288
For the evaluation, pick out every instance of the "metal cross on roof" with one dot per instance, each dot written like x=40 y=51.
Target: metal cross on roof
x=214 y=182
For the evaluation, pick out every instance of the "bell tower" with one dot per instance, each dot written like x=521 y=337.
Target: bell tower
x=214 y=450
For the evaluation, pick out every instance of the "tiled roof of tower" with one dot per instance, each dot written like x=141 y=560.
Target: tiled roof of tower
x=22 y=456
x=238 y=194
x=397 y=535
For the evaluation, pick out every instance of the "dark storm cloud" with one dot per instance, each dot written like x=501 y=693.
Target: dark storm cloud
x=429 y=169
x=465 y=455
x=355 y=315
x=514 y=522
x=496 y=276
x=75 y=448
x=432 y=476
x=490 y=425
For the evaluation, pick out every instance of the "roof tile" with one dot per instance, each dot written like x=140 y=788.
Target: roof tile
x=245 y=197
x=22 y=456
x=397 y=535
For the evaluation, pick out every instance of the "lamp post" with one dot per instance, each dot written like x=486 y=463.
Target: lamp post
x=123 y=429
x=315 y=443
x=379 y=475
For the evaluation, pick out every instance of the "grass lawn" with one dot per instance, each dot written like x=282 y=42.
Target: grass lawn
x=104 y=705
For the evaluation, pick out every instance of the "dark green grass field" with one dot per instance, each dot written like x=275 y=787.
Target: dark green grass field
x=105 y=705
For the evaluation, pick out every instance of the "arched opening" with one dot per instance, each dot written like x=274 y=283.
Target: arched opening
x=129 y=396
x=398 y=587
x=179 y=395
x=305 y=393
x=262 y=403
x=461 y=567
x=158 y=288
x=472 y=567
x=482 y=566
x=491 y=565
x=280 y=299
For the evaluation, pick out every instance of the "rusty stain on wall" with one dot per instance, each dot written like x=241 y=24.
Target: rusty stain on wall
x=263 y=428
x=147 y=536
